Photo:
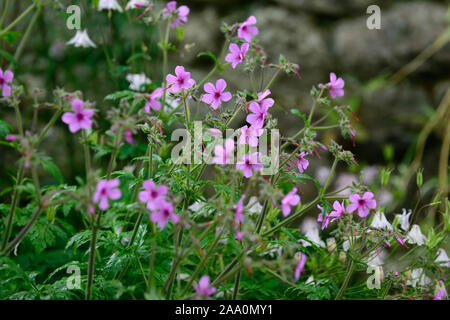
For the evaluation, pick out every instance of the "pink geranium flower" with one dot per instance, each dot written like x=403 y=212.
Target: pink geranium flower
x=302 y=163
x=336 y=88
x=215 y=95
x=249 y=164
x=236 y=54
x=151 y=194
x=203 y=288
x=222 y=156
x=6 y=78
x=256 y=118
x=300 y=266
x=182 y=80
x=178 y=15
x=10 y=137
x=152 y=101
x=247 y=31
x=320 y=218
x=106 y=190
x=128 y=136
x=80 y=118
x=289 y=200
x=164 y=211
x=239 y=212
x=338 y=211
x=361 y=205
x=249 y=135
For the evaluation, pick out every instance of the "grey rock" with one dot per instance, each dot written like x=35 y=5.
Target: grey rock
x=407 y=29
x=330 y=7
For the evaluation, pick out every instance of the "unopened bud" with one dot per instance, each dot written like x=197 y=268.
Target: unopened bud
x=419 y=178
x=331 y=244
x=342 y=257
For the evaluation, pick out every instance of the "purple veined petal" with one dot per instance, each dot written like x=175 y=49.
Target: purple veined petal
x=235 y=63
x=1 y=73
x=175 y=218
x=143 y=196
x=183 y=11
x=254 y=107
x=148 y=184
x=8 y=76
x=368 y=195
x=104 y=204
x=363 y=212
x=251 y=20
x=170 y=78
x=234 y=48
x=157 y=93
x=372 y=204
x=6 y=90
x=267 y=103
x=339 y=83
x=221 y=85
x=253 y=31
x=68 y=118
x=352 y=207
x=332 y=77
x=162 y=190
x=244 y=48
x=209 y=87
x=74 y=127
x=114 y=194
x=208 y=98
x=85 y=124
x=354 y=197
x=286 y=209
x=229 y=146
x=77 y=105
x=88 y=113
x=179 y=71
x=156 y=105
x=172 y=5
x=226 y=96
x=215 y=104
x=114 y=183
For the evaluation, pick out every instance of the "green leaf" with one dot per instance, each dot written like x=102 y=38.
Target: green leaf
x=11 y=36
x=5 y=128
x=139 y=55
x=120 y=94
x=9 y=57
x=180 y=33
x=51 y=167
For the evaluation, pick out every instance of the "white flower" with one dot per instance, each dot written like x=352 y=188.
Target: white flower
x=404 y=219
x=442 y=258
x=196 y=206
x=310 y=280
x=380 y=222
x=137 y=80
x=133 y=4
x=415 y=236
x=375 y=259
x=313 y=236
x=346 y=243
x=81 y=39
x=109 y=5
x=171 y=103
x=254 y=206
x=418 y=277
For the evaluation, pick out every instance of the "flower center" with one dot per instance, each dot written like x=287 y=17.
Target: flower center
x=2 y=81
x=80 y=116
x=166 y=212
x=361 y=202
x=154 y=194
x=216 y=95
x=103 y=192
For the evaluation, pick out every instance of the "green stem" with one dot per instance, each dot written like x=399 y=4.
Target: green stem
x=314 y=105
x=166 y=43
x=91 y=261
x=27 y=34
x=12 y=210
x=18 y=19
x=236 y=285
x=4 y=13
x=19 y=120
x=272 y=80
x=112 y=161
x=49 y=125
x=346 y=281
x=152 y=259
x=87 y=155
x=333 y=167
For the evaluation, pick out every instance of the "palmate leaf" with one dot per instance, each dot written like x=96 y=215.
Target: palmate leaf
x=49 y=166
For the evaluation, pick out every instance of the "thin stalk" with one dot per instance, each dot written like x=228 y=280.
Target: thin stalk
x=152 y=259
x=272 y=80
x=91 y=261
x=4 y=13
x=12 y=210
x=87 y=155
x=27 y=34
x=49 y=125
x=18 y=19
x=166 y=43
x=346 y=281
x=237 y=280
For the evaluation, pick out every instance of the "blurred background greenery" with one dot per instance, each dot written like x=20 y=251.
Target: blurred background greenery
x=322 y=36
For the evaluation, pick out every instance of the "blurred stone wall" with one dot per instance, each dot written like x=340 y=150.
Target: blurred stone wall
x=325 y=36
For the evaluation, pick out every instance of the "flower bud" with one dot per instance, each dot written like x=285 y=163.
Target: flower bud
x=342 y=257
x=385 y=174
x=331 y=244
x=419 y=178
